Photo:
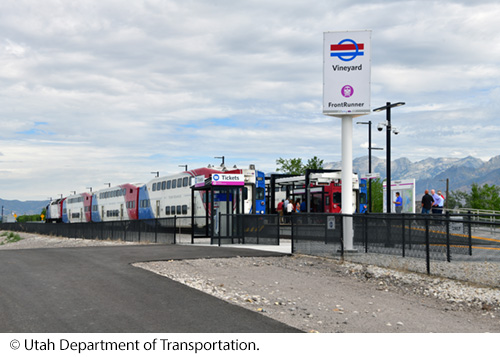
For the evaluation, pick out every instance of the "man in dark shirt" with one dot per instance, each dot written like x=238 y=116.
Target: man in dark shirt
x=427 y=202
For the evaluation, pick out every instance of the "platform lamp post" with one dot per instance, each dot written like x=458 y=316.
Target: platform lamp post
x=185 y=167
x=108 y=183
x=370 y=148
x=220 y=157
x=156 y=173
x=389 y=128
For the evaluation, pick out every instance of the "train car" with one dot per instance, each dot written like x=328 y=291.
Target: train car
x=325 y=190
x=117 y=203
x=254 y=191
x=54 y=211
x=170 y=196
x=333 y=197
x=77 y=208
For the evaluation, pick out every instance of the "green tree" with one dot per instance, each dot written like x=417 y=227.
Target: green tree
x=457 y=199
x=377 y=195
x=314 y=164
x=296 y=166
x=290 y=166
x=484 y=197
x=480 y=197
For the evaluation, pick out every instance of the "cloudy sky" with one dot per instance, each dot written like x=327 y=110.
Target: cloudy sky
x=103 y=91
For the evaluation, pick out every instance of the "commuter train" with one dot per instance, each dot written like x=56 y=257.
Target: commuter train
x=161 y=197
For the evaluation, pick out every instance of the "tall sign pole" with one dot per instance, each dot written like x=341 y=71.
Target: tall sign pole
x=346 y=95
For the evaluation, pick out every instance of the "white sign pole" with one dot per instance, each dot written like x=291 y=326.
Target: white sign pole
x=347 y=181
x=346 y=94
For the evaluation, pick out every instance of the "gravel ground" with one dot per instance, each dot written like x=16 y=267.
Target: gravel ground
x=325 y=295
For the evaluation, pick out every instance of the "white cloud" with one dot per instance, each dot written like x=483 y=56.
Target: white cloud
x=94 y=90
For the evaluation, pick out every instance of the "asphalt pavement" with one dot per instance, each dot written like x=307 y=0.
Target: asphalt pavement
x=97 y=290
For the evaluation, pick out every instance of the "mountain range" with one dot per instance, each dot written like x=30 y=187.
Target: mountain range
x=22 y=207
x=429 y=173
x=432 y=173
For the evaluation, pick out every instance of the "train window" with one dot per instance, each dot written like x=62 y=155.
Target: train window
x=169 y=185
x=179 y=182
x=164 y=185
x=245 y=193
x=184 y=209
x=179 y=209
x=172 y=210
x=131 y=190
x=362 y=198
x=185 y=181
x=174 y=183
x=154 y=186
x=337 y=197
x=260 y=193
x=167 y=210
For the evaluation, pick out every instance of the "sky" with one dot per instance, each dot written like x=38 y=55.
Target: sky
x=98 y=92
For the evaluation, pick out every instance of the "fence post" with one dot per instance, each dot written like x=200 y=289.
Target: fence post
x=366 y=231
x=470 y=235
x=342 y=236
x=427 y=246
x=448 y=249
x=403 y=234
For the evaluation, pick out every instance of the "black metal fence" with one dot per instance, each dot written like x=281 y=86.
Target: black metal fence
x=151 y=231
x=428 y=237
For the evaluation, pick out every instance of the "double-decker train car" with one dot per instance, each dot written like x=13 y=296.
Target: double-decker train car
x=77 y=208
x=170 y=196
x=115 y=203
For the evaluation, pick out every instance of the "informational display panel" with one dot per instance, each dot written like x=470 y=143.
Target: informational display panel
x=346 y=73
x=406 y=189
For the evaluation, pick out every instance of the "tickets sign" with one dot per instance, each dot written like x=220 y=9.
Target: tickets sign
x=346 y=73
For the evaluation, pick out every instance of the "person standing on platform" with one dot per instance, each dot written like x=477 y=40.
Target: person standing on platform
x=427 y=202
x=437 y=207
x=398 y=203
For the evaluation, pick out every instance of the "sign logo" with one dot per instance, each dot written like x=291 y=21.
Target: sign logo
x=347 y=91
x=347 y=50
x=216 y=177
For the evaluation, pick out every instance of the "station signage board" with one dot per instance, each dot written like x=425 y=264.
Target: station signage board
x=346 y=73
x=228 y=180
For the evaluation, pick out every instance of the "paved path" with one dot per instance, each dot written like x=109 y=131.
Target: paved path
x=96 y=289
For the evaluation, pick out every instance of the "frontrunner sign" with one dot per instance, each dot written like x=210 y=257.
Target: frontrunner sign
x=346 y=73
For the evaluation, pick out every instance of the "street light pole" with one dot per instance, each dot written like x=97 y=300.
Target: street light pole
x=370 y=148
x=388 y=126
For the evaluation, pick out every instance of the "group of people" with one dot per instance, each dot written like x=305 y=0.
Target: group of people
x=287 y=207
x=432 y=202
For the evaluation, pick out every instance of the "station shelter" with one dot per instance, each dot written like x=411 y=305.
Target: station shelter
x=222 y=207
x=311 y=188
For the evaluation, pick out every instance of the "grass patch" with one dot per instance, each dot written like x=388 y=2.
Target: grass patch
x=9 y=237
